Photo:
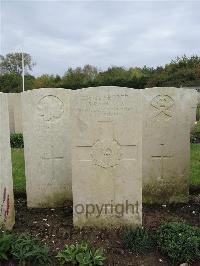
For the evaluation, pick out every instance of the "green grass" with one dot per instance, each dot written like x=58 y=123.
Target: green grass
x=195 y=165
x=19 y=174
x=19 y=180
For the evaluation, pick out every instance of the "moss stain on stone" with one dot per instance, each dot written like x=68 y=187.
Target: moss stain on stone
x=173 y=190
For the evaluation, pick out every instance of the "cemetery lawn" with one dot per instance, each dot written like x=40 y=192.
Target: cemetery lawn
x=195 y=165
x=20 y=182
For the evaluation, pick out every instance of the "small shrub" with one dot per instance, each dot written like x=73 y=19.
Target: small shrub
x=5 y=245
x=81 y=254
x=26 y=248
x=179 y=241
x=16 y=141
x=138 y=240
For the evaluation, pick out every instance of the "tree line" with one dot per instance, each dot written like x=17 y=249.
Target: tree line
x=180 y=72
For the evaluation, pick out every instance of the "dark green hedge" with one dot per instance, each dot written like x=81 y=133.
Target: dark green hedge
x=16 y=141
x=179 y=241
x=139 y=240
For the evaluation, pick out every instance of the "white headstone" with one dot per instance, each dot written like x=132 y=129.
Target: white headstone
x=198 y=98
x=7 y=215
x=15 y=113
x=166 y=144
x=47 y=149
x=192 y=97
x=106 y=157
x=198 y=104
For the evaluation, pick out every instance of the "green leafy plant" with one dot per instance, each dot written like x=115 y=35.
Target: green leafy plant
x=5 y=245
x=138 y=240
x=179 y=241
x=27 y=248
x=16 y=141
x=81 y=254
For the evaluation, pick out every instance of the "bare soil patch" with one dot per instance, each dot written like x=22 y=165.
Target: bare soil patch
x=55 y=228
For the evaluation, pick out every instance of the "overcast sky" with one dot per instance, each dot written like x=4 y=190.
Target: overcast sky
x=62 y=34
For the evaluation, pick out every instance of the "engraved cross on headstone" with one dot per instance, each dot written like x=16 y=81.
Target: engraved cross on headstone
x=106 y=152
x=161 y=159
x=106 y=145
x=52 y=157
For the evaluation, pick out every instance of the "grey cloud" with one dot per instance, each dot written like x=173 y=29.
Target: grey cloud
x=59 y=34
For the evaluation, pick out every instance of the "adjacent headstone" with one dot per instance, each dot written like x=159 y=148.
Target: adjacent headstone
x=192 y=96
x=15 y=113
x=166 y=144
x=106 y=157
x=197 y=88
x=7 y=215
x=198 y=97
x=198 y=106
x=47 y=149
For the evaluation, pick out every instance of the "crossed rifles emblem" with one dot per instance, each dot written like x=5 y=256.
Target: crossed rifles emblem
x=163 y=104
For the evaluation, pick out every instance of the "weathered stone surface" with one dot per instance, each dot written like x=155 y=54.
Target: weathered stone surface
x=166 y=144
x=198 y=98
x=106 y=157
x=192 y=98
x=7 y=215
x=15 y=113
x=47 y=146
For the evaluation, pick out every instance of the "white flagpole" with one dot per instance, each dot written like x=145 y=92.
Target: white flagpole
x=23 y=71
